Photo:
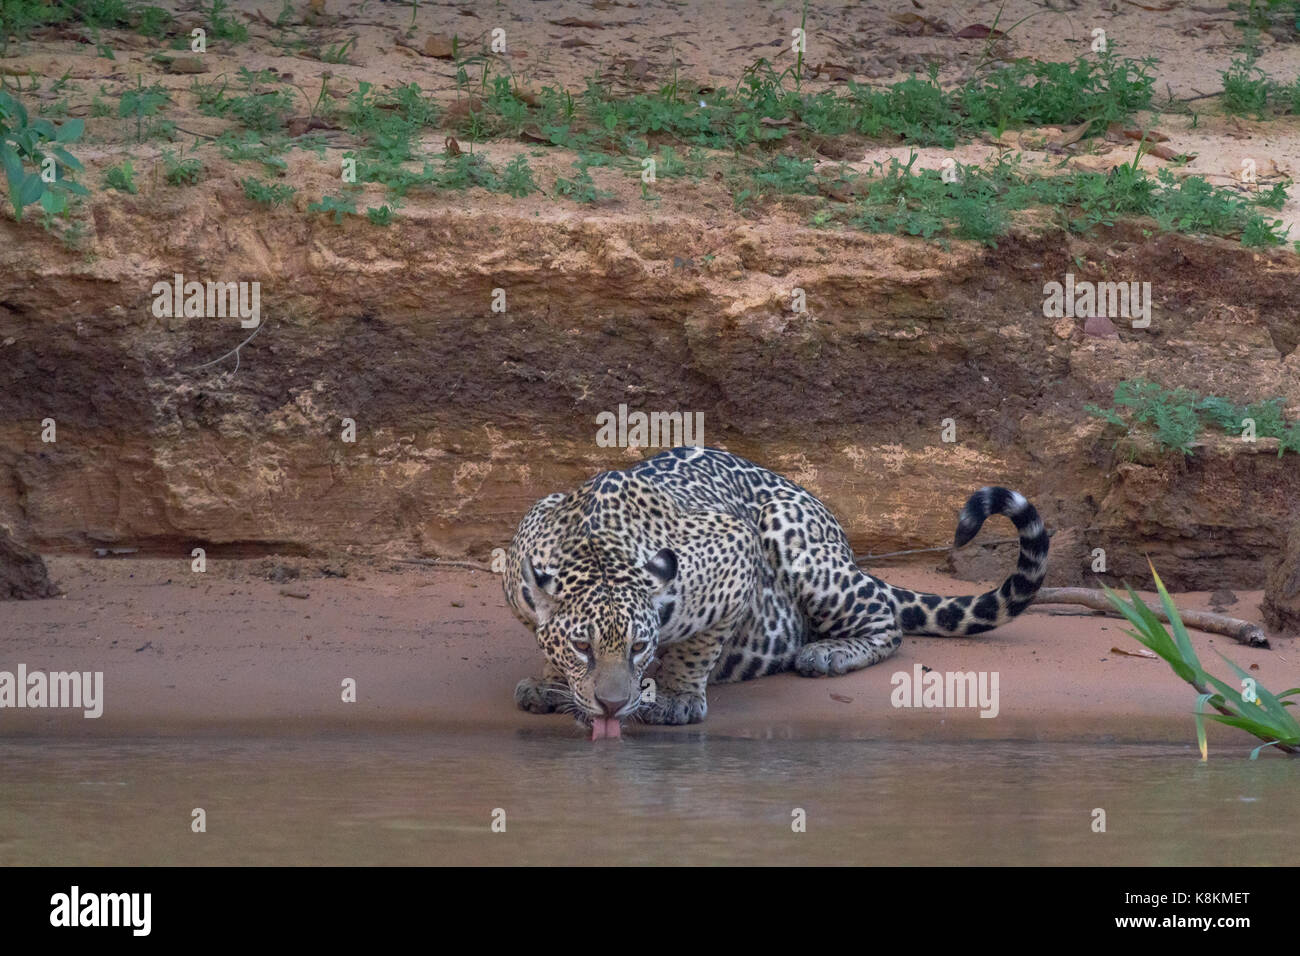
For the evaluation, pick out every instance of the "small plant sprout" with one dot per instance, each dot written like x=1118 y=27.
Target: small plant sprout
x=1250 y=707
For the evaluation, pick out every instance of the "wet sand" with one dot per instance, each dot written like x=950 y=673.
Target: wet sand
x=230 y=651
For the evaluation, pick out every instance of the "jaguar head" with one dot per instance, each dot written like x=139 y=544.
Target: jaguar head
x=598 y=624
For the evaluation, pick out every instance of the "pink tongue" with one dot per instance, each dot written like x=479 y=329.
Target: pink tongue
x=605 y=727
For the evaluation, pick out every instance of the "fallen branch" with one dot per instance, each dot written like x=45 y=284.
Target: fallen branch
x=1243 y=632
x=442 y=563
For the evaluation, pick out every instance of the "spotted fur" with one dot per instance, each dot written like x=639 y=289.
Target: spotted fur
x=722 y=571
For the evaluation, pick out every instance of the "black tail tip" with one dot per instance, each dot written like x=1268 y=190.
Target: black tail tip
x=966 y=530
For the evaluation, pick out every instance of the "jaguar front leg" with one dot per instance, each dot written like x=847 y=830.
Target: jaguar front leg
x=677 y=695
x=545 y=694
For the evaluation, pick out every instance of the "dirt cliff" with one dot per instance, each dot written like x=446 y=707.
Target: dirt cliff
x=165 y=438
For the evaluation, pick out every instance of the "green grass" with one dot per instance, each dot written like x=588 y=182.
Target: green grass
x=253 y=104
x=338 y=52
x=1261 y=14
x=221 y=25
x=267 y=194
x=981 y=205
x=1176 y=417
x=1249 y=91
x=337 y=206
x=121 y=177
x=760 y=109
x=181 y=172
x=765 y=123
x=1250 y=708
x=143 y=102
x=18 y=18
x=581 y=188
x=517 y=178
x=266 y=148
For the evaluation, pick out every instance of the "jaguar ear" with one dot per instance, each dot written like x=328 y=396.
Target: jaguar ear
x=539 y=590
x=663 y=566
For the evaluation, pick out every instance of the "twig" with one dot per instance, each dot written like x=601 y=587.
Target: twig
x=441 y=563
x=1243 y=632
x=1188 y=99
x=234 y=352
x=194 y=132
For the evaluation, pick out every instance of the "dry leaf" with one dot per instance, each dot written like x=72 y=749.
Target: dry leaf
x=460 y=110
x=978 y=31
x=837 y=73
x=1116 y=650
x=1165 y=153
x=917 y=25
x=302 y=124
x=1150 y=135
x=1070 y=135
x=438 y=46
x=572 y=42
x=575 y=22
x=185 y=64
x=842 y=699
x=836 y=191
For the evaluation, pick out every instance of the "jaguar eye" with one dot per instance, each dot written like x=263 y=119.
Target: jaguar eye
x=640 y=646
x=582 y=647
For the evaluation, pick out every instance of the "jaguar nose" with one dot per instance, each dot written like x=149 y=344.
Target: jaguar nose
x=612 y=707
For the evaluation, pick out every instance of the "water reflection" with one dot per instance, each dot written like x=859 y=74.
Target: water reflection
x=656 y=798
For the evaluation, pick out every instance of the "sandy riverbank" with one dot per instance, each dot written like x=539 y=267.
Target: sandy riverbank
x=247 y=647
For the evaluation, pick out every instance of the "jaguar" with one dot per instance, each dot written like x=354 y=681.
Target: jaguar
x=709 y=569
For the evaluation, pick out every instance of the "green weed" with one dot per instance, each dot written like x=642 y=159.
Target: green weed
x=181 y=172
x=1250 y=707
x=121 y=177
x=141 y=103
x=27 y=142
x=222 y=26
x=1177 y=416
x=338 y=206
x=267 y=194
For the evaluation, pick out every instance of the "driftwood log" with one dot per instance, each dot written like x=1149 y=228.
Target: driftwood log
x=1243 y=632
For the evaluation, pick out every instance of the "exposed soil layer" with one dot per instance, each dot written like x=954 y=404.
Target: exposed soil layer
x=1281 y=605
x=463 y=417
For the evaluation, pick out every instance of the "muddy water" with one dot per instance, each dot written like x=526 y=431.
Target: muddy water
x=429 y=799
